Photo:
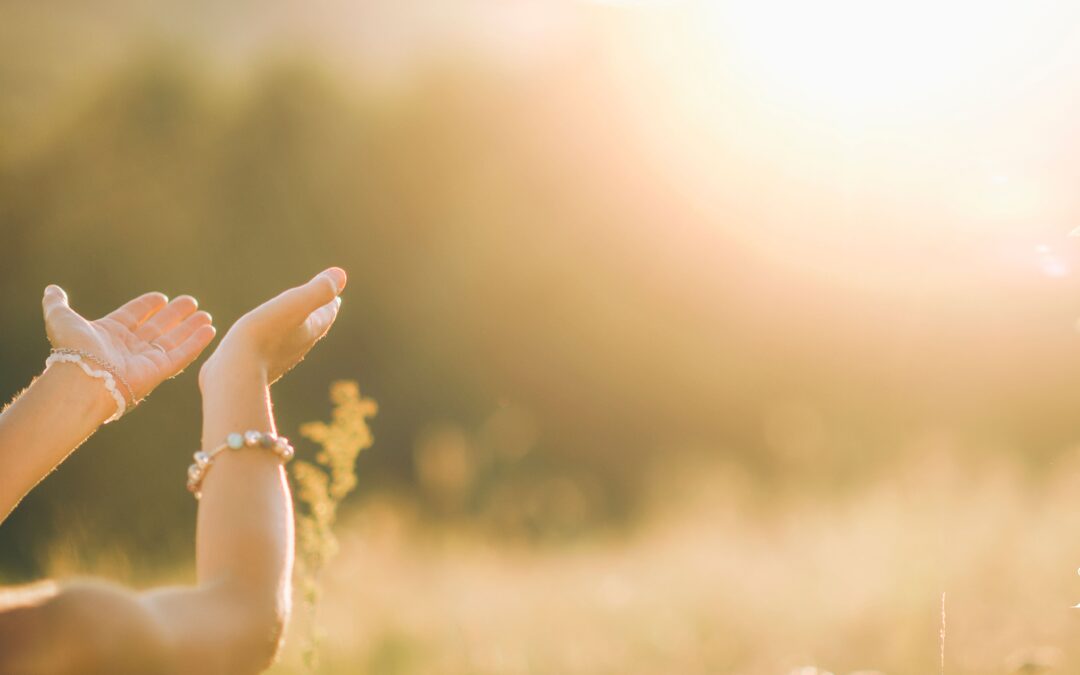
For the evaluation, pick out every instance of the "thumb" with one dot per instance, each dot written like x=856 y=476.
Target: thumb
x=54 y=303
x=297 y=303
x=320 y=320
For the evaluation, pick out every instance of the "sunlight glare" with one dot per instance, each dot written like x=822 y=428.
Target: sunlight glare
x=851 y=57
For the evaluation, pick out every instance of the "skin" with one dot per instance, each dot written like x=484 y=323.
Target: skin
x=232 y=619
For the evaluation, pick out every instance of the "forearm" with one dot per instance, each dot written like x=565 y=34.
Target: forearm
x=245 y=525
x=52 y=417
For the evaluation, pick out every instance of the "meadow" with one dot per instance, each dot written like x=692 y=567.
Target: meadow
x=726 y=578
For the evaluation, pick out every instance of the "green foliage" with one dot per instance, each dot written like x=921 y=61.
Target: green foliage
x=321 y=486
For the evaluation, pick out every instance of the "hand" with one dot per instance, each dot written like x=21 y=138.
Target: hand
x=275 y=336
x=126 y=337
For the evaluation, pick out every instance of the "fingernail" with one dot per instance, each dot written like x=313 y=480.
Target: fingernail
x=336 y=275
x=337 y=301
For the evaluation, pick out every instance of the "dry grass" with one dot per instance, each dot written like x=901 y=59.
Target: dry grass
x=320 y=487
x=727 y=580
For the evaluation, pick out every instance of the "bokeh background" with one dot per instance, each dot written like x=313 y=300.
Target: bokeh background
x=708 y=337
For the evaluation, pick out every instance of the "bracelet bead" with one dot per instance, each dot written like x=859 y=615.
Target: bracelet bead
x=106 y=372
x=67 y=353
x=279 y=445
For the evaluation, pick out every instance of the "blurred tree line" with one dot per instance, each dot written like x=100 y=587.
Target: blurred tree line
x=544 y=318
x=494 y=309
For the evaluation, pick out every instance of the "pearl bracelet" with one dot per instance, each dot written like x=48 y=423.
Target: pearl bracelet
x=235 y=441
x=106 y=372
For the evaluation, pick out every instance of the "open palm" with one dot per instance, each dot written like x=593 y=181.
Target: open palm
x=277 y=334
x=147 y=340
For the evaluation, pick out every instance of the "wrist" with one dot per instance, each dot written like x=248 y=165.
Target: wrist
x=77 y=393
x=232 y=381
x=227 y=370
x=235 y=397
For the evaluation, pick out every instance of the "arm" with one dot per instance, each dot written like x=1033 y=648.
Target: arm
x=146 y=341
x=232 y=622
x=64 y=406
x=233 y=619
x=52 y=417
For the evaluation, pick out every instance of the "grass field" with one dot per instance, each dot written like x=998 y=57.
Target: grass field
x=721 y=580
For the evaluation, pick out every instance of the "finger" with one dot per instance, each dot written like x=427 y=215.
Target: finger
x=181 y=356
x=296 y=304
x=54 y=303
x=320 y=320
x=134 y=312
x=175 y=337
x=164 y=320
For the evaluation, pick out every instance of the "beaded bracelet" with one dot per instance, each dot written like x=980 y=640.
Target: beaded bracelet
x=106 y=372
x=235 y=441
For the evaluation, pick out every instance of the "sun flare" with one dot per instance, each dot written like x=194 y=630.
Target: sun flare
x=861 y=59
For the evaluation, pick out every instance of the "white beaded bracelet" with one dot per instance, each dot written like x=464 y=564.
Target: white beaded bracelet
x=235 y=441
x=105 y=373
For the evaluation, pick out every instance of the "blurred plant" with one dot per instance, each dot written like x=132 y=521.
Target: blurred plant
x=320 y=487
